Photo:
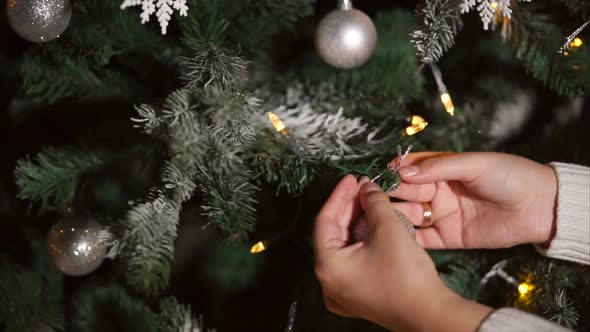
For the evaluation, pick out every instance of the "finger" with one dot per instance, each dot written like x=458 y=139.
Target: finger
x=375 y=202
x=464 y=167
x=364 y=179
x=414 y=192
x=416 y=157
x=331 y=226
x=430 y=238
x=335 y=308
x=380 y=213
x=414 y=211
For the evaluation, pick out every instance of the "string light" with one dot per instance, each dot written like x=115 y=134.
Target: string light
x=573 y=41
x=577 y=42
x=445 y=97
x=417 y=125
x=259 y=247
x=448 y=103
x=524 y=288
x=277 y=123
x=495 y=5
x=282 y=129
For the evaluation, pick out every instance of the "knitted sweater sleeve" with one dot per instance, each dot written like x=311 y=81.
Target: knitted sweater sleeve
x=571 y=242
x=572 y=237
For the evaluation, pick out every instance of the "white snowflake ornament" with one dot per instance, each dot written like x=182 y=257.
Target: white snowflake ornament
x=165 y=9
x=487 y=9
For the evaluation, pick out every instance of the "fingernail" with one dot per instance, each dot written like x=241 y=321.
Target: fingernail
x=370 y=186
x=363 y=179
x=409 y=171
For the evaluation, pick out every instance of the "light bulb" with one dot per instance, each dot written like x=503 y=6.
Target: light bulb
x=524 y=288
x=448 y=103
x=276 y=122
x=577 y=42
x=258 y=247
x=417 y=125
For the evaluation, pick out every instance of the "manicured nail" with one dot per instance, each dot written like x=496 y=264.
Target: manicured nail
x=409 y=171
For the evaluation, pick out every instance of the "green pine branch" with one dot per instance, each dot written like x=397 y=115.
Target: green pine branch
x=562 y=311
x=560 y=291
x=537 y=36
x=228 y=202
x=145 y=237
x=280 y=166
x=92 y=59
x=463 y=276
x=31 y=297
x=213 y=65
x=50 y=179
x=251 y=23
x=55 y=73
x=111 y=308
x=441 y=23
x=177 y=317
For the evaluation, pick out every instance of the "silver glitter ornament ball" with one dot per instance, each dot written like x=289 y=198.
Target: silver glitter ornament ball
x=74 y=245
x=346 y=37
x=39 y=20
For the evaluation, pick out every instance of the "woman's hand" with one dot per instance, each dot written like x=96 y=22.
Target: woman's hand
x=478 y=200
x=388 y=279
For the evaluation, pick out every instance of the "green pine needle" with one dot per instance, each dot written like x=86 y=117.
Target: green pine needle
x=50 y=178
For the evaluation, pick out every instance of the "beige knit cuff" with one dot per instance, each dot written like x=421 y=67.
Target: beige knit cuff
x=513 y=320
x=572 y=236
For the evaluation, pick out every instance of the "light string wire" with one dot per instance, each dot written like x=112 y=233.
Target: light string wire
x=571 y=37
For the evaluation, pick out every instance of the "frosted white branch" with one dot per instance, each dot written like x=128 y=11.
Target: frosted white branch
x=316 y=122
x=165 y=9
x=322 y=133
x=486 y=9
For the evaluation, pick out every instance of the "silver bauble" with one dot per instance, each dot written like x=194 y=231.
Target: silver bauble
x=346 y=38
x=75 y=246
x=39 y=20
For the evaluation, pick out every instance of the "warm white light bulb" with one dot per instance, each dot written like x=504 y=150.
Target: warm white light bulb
x=276 y=122
x=258 y=248
x=448 y=103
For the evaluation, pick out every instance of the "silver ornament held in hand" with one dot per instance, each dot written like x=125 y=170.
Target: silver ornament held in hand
x=346 y=37
x=74 y=245
x=39 y=20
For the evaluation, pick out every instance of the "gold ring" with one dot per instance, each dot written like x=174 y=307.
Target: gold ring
x=427 y=221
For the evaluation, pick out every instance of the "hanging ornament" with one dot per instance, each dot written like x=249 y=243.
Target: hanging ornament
x=75 y=246
x=346 y=37
x=39 y=20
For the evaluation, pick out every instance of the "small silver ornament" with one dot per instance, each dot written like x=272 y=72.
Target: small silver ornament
x=346 y=37
x=39 y=20
x=75 y=246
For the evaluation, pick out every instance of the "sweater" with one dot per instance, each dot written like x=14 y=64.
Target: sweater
x=571 y=242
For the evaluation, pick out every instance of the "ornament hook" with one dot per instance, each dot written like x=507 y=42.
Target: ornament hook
x=345 y=4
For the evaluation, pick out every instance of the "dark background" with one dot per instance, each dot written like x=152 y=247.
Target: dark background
x=255 y=291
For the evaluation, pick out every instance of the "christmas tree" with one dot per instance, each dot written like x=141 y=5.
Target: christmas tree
x=185 y=159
